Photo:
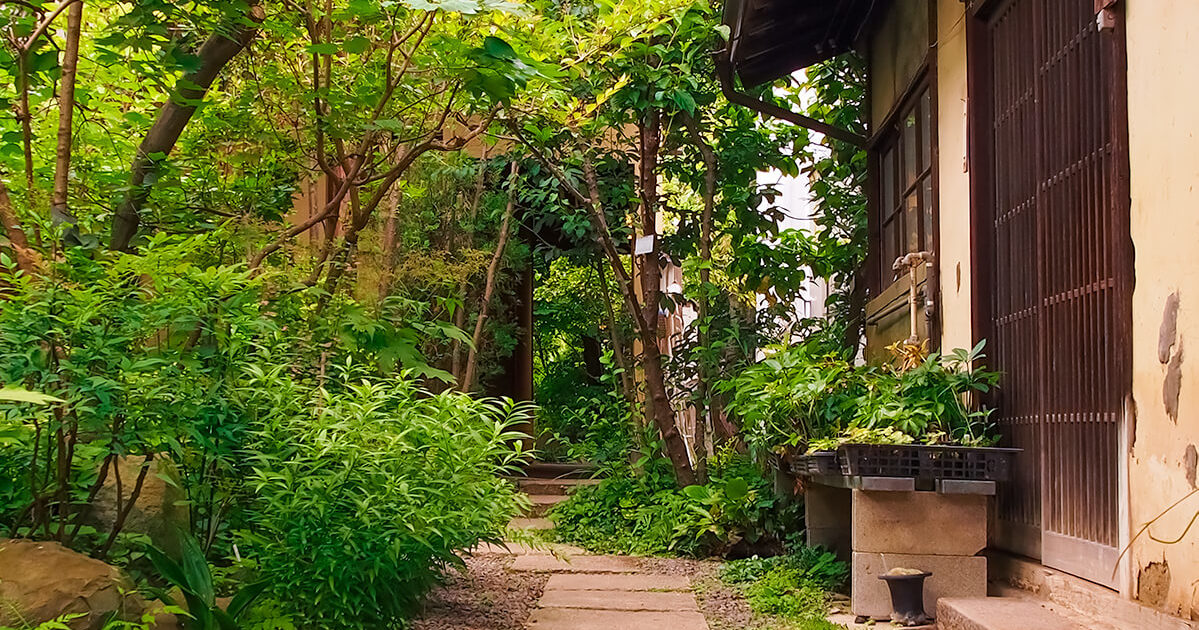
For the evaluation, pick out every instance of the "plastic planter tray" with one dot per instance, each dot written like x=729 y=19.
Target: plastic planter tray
x=815 y=464
x=923 y=461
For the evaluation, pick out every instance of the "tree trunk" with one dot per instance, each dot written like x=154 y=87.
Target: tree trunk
x=472 y=357
x=651 y=290
x=464 y=286
x=66 y=111
x=628 y=387
x=703 y=412
x=663 y=415
x=387 y=255
x=26 y=257
x=221 y=47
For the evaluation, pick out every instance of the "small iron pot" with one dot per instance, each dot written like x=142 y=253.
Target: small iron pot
x=907 y=598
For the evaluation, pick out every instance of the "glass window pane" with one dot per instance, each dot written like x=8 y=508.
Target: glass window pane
x=912 y=222
x=888 y=196
x=909 y=142
x=890 y=238
x=926 y=130
x=927 y=201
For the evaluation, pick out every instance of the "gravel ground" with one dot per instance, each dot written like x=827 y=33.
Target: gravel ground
x=485 y=597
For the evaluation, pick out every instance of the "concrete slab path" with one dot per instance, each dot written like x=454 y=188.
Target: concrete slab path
x=590 y=592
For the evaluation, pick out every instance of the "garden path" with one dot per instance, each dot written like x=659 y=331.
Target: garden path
x=593 y=592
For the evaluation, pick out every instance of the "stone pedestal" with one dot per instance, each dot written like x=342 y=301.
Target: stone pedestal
x=928 y=531
x=828 y=519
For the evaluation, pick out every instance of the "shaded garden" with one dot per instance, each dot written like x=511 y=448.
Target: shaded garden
x=269 y=261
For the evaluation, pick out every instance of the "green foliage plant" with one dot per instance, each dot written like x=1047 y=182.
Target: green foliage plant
x=800 y=398
x=363 y=491
x=794 y=587
x=191 y=574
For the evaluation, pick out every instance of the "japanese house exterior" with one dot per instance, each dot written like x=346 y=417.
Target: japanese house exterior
x=1046 y=153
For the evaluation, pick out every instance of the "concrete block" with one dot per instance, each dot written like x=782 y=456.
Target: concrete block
x=998 y=613
x=826 y=506
x=827 y=516
x=921 y=523
x=952 y=576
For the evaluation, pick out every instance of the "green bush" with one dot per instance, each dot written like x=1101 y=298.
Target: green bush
x=635 y=513
x=801 y=396
x=644 y=511
x=814 y=565
x=361 y=494
x=794 y=586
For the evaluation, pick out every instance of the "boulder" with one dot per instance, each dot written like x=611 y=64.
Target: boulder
x=160 y=510
x=40 y=581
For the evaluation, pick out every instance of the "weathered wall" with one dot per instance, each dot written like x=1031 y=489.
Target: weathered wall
x=953 y=178
x=896 y=52
x=1163 y=87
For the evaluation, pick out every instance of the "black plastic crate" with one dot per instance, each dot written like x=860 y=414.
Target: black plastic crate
x=813 y=464
x=927 y=462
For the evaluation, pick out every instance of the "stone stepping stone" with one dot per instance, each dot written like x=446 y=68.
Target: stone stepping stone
x=616 y=582
x=619 y=600
x=523 y=549
x=530 y=523
x=539 y=563
x=590 y=619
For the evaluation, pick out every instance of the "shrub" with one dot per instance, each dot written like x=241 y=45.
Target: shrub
x=363 y=493
x=794 y=587
x=646 y=513
x=814 y=565
x=627 y=513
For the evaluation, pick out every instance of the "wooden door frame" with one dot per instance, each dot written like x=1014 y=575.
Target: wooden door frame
x=1025 y=540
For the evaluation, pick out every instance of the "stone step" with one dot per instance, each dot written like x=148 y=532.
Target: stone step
x=559 y=470
x=616 y=582
x=531 y=523
x=651 y=601
x=552 y=486
x=588 y=619
x=999 y=613
x=545 y=563
x=542 y=504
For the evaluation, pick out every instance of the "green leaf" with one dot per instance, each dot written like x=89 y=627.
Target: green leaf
x=498 y=48
x=327 y=48
x=19 y=394
x=736 y=489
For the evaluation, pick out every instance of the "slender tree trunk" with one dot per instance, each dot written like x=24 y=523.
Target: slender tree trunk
x=26 y=258
x=464 y=286
x=704 y=411
x=387 y=256
x=66 y=111
x=26 y=116
x=472 y=357
x=628 y=387
x=221 y=47
x=663 y=416
x=651 y=291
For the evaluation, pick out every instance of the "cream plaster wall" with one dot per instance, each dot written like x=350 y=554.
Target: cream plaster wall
x=1163 y=89
x=953 y=179
x=896 y=52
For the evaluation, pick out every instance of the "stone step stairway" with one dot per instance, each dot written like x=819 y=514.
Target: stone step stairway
x=548 y=484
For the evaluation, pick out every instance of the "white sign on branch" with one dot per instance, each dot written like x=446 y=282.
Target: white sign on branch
x=644 y=245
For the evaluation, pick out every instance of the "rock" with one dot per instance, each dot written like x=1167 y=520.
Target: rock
x=160 y=509
x=40 y=581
